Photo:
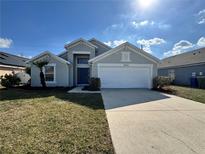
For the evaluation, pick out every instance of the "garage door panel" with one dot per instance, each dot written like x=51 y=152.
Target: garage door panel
x=124 y=77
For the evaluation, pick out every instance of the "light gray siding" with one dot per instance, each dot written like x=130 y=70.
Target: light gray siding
x=62 y=75
x=116 y=58
x=183 y=74
x=80 y=47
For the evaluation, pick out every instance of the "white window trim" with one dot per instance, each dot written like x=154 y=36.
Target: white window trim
x=54 y=65
x=193 y=74
x=128 y=54
x=79 y=58
x=82 y=52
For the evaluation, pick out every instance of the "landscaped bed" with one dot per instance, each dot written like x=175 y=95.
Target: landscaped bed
x=187 y=92
x=52 y=121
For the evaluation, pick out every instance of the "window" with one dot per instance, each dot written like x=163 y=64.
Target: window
x=83 y=60
x=200 y=73
x=193 y=74
x=49 y=72
x=171 y=74
x=125 y=57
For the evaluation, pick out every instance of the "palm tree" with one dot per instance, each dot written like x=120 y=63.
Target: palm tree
x=40 y=65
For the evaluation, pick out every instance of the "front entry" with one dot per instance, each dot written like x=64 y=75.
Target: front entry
x=82 y=75
x=82 y=69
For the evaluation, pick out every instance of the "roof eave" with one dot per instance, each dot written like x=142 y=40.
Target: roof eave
x=49 y=53
x=81 y=39
x=145 y=54
x=94 y=39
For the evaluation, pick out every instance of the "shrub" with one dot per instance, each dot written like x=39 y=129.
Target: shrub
x=10 y=80
x=160 y=81
x=201 y=81
x=94 y=85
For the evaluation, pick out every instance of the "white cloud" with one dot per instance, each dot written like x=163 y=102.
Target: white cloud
x=201 y=42
x=201 y=17
x=202 y=21
x=154 y=41
x=183 y=45
x=171 y=53
x=118 y=42
x=163 y=26
x=117 y=26
x=145 y=23
x=142 y=23
x=125 y=26
x=109 y=43
x=5 y=43
x=114 y=43
x=114 y=27
x=201 y=12
x=67 y=42
x=179 y=47
x=24 y=56
x=151 y=42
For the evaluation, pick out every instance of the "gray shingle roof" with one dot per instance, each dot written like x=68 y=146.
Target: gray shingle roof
x=189 y=58
x=12 y=60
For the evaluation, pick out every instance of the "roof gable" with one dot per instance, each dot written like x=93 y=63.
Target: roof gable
x=100 y=43
x=125 y=46
x=81 y=40
x=50 y=54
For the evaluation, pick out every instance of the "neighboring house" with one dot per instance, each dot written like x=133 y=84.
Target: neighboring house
x=11 y=63
x=183 y=66
x=124 y=66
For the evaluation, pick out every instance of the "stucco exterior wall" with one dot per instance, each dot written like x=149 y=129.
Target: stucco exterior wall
x=62 y=75
x=116 y=58
x=183 y=74
x=81 y=47
x=71 y=54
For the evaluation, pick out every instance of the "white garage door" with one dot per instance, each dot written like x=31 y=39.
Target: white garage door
x=129 y=76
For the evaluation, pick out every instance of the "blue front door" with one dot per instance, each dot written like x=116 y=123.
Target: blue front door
x=82 y=75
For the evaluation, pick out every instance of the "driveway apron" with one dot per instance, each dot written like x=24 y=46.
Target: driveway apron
x=148 y=122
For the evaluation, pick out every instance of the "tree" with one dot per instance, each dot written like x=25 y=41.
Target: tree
x=40 y=65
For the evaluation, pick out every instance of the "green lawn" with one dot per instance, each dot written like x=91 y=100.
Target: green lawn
x=190 y=93
x=52 y=121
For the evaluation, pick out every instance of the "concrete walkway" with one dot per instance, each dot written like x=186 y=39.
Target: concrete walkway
x=148 y=122
x=79 y=90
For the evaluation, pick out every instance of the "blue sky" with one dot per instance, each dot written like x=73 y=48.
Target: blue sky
x=163 y=27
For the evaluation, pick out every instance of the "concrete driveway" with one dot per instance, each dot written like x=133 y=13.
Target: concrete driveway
x=149 y=122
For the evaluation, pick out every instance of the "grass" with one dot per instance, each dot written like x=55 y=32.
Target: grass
x=52 y=121
x=189 y=93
